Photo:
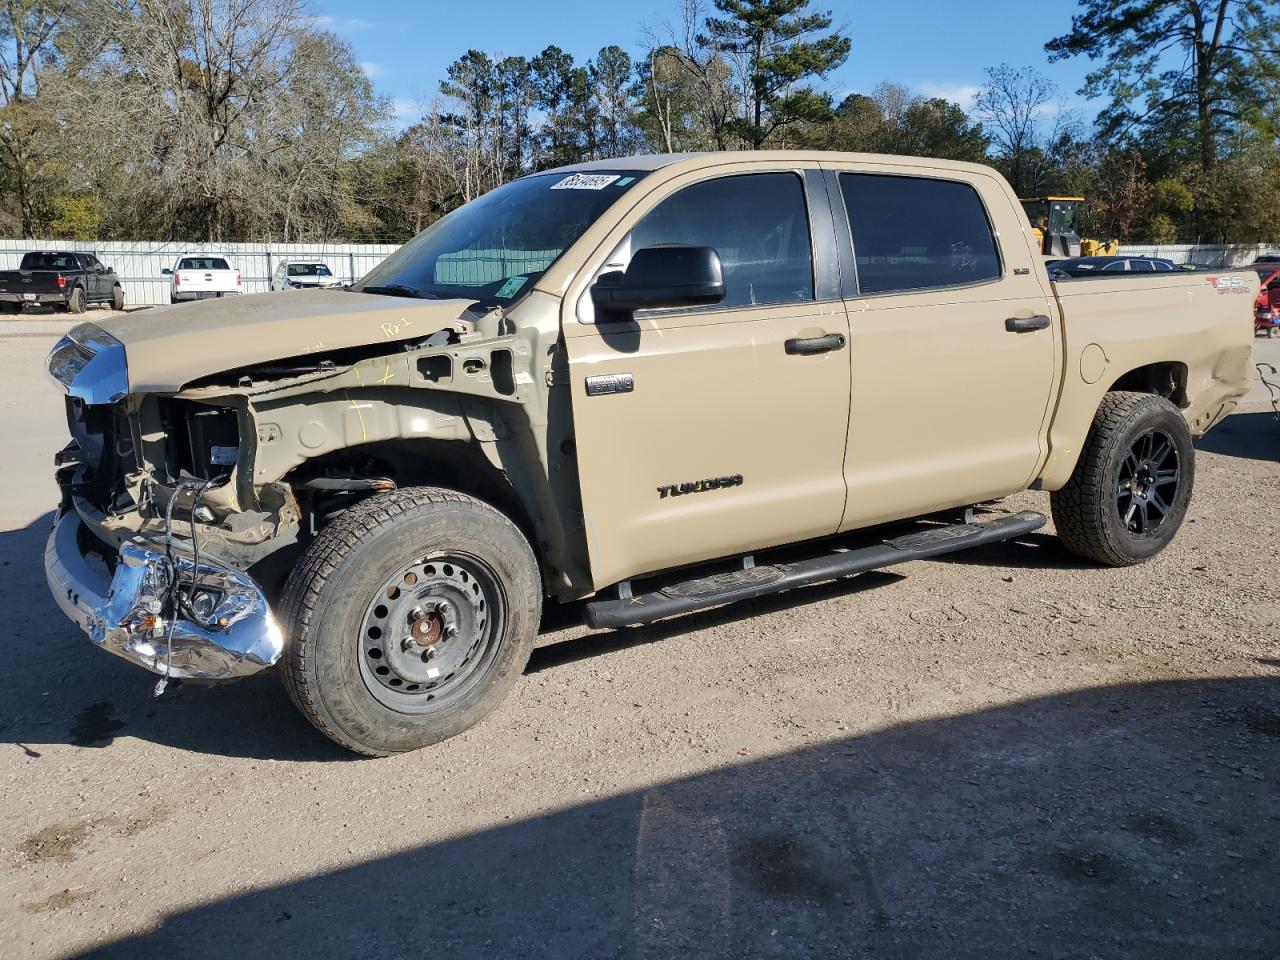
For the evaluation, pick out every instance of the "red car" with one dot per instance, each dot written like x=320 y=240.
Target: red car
x=1266 y=309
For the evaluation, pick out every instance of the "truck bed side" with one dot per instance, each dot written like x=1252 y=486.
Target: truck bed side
x=1188 y=336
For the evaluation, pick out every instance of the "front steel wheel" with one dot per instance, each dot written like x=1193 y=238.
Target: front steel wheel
x=1130 y=489
x=431 y=629
x=409 y=618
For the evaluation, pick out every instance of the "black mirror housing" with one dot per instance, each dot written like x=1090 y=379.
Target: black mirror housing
x=662 y=277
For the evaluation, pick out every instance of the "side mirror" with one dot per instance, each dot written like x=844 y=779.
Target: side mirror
x=166 y=272
x=664 y=276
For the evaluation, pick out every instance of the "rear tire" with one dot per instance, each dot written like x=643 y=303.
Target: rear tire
x=406 y=583
x=7 y=307
x=1129 y=492
x=76 y=302
x=1273 y=333
x=117 y=297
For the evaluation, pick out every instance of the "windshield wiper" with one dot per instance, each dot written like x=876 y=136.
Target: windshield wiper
x=400 y=290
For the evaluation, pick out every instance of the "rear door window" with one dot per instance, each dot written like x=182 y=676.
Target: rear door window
x=759 y=225
x=914 y=233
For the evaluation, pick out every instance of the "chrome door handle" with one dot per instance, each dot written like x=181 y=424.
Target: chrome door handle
x=1026 y=324
x=805 y=346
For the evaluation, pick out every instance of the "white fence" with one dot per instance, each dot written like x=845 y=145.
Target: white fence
x=138 y=264
x=1209 y=254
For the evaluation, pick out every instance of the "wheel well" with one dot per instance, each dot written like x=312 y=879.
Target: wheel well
x=452 y=464
x=1166 y=379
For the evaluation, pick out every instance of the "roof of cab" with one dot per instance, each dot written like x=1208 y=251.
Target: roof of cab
x=657 y=161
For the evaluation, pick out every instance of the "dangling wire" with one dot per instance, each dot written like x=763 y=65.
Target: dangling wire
x=177 y=602
x=1272 y=388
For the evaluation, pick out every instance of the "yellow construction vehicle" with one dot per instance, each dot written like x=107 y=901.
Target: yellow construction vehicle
x=1055 y=222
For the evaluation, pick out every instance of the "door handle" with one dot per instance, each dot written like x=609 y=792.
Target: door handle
x=1026 y=324
x=805 y=346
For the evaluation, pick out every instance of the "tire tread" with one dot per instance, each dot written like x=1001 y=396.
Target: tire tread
x=310 y=579
x=1078 y=507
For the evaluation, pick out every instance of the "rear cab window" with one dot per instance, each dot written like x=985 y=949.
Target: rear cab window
x=48 y=261
x=202 y=263
x=918 y=233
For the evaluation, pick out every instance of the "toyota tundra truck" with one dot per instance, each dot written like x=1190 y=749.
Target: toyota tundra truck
x=652 y=385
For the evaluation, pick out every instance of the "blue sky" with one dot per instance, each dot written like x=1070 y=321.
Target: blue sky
x=933 y=47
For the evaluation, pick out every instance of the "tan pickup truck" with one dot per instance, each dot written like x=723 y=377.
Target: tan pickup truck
x=627 y=381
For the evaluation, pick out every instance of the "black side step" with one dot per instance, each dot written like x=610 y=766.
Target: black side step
x=722 y=588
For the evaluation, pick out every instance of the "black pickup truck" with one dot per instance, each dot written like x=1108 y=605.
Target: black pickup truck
x=61 y=279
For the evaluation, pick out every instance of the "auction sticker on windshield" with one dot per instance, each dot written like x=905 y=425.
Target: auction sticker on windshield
x=585 y=181
x=511 y=287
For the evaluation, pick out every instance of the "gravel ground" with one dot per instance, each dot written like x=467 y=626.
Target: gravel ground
x=1007 y=753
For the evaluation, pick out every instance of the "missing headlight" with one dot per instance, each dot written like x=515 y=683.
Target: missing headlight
x=201 y=441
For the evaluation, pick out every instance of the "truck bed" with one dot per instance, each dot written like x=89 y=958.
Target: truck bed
x=1116 y=327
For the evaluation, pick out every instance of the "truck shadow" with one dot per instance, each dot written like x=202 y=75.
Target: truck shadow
x=1250 y=436
x=60 y=689
x=1135 y=820
x=571 y=615
x=1031 y=551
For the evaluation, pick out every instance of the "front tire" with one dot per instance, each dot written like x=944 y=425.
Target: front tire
x=1129 y=492
x=117 y=297
x=410 y=617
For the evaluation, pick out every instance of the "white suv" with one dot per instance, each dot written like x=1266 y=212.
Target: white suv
x=303 y=275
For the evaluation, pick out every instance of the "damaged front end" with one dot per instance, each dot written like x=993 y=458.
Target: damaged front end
x=138 y=557
x=192 y=485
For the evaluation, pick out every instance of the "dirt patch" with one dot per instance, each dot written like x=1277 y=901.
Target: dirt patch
x=57 y=843
x=57 y=901
x=135 y=825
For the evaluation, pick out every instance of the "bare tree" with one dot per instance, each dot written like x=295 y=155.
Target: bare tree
x=690 y=91
x=192 y=83
x=1026 y=121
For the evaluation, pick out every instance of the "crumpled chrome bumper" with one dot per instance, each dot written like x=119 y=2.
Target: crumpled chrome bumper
x=122 y=612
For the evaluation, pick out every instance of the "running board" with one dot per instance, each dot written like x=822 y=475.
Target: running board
x=722 y=588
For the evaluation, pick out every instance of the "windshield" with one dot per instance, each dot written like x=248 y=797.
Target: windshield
x=496 y=247
x=1056 y=217
x=1062 y=218
x=202 y=263
x=309 y=270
